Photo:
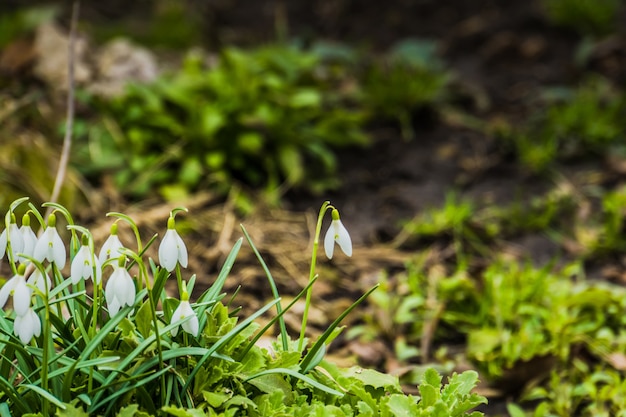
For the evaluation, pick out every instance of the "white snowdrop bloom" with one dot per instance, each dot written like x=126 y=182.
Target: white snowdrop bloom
x=36 y=279
x=29 y=238
x=49 y=246
x=172 y=249
x=83 y=266
x=337 y=233
x=27 y=325
x=110 y=248
x=16 y=286
x=120 y=290
x=183 y=311
x=12 y=234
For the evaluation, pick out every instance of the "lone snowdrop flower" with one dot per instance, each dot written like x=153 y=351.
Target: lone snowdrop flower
x=110 y=248
x=85 y=264
x=337 y=233
x=29 y=238
x=16 y=287
x=27 y=325
x=183 y=311
x=120 y=288
x=50 y=246
x=11 y=236
x=172 y=249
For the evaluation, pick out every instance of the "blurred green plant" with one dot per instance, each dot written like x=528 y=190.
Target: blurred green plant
x=575 y=122
x=264 y=118
x=594 y=18
x=410 y=78
x=23 y=21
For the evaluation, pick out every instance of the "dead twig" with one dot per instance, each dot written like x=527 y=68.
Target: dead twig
x=69 y=121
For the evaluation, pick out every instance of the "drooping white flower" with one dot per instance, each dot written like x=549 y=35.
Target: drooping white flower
x=110 y=248
x=50 y=246
x=16 y=286
x=27 y=325
x=29 y=238
x=183 y=311
x=37 y=279
x=337 y=233
x=120 y=290
x=11 y=234
x=172 y=249
x=84 y=265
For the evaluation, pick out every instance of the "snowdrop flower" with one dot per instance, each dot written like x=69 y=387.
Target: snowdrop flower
x=27 y=325
x=84 y=264
x=337 y=233
x=37 y=279
x=120 y=288
x=50 y=246
x=183 y=311
x=110 y=248
x=11 y=234
x=16 y=286
x=29 y=238
x=172 y=249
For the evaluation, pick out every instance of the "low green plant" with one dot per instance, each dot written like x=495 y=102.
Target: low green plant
x=264 y=118
x=575 y=123
x=597 y=18
x=410 y=78
x=68 y=348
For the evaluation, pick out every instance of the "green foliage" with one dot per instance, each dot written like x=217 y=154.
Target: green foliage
x=583 y=390
x=21 y=22
x=575 y=122
x=596 y=18
x=410 y=78
x=263 y=118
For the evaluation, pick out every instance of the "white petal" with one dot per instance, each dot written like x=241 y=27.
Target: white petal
x=110 y=249
x=114 y=307
x=58 y=249
x=182 y=251
x=41 y=248
x=21 y=297
x=6 y=290
x=36 y=279
x=27 y=326
x=77 y=267
x=15 y=237
x=109 y=292
x=343 y=238
x=168 y=251
x=3 y=243
x=128 y=290
x=329 y=241
x=30 y=240
x=191 y=325
x=98 y=277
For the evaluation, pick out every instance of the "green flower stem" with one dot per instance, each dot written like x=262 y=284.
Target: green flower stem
x=143 y=271
x=179 y=279
x=316 y=243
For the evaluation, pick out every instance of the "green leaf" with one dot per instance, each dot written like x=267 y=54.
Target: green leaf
x=71 y=411
x=216 y=399
x=515 y=410
x=401 y=405
x=128 y=411
x=371 y=377
x=143 y=319
x=181 y=412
